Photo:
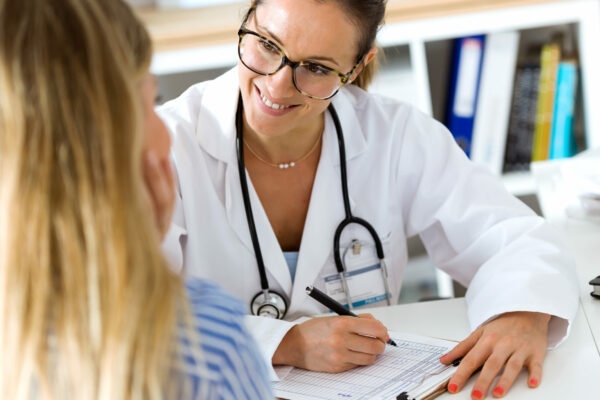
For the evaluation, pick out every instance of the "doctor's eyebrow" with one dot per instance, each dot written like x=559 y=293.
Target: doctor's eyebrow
x=280 y=43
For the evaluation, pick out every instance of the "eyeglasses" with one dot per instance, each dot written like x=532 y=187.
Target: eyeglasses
x=264 y=57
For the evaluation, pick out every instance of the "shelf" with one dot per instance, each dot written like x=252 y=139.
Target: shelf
x=176 y=29
x=519 y=183
x=173 y=29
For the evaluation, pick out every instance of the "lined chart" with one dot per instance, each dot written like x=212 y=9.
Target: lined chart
x=396 y=370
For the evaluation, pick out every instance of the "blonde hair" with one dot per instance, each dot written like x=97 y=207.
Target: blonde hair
x=87 y=303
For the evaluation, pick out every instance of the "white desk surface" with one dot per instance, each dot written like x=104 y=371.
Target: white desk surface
x=583 y=238
x=572 y=371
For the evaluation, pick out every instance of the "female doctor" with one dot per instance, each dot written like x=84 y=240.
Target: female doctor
x=314 y=149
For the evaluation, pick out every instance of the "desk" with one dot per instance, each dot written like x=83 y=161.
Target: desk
x=583 y=239
x=572 y=371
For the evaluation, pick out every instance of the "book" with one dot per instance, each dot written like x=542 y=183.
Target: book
x=494 y=101
x=521 y=127
x=410 y=371
x=464 y=88
x=562 y=138
x=545 y=106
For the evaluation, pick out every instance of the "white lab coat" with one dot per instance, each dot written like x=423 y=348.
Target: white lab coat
x=406 y=176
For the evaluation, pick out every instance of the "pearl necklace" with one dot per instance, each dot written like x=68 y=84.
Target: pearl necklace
x=284 y=165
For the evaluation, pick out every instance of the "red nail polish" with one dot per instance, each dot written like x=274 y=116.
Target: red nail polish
x=533 y=382
x=476 y=393
x=498 y=391
x=452 y=388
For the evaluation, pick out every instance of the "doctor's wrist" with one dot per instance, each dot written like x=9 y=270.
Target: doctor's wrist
x=289 y=349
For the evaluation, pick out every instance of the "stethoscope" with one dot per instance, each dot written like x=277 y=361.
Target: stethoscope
x=267 y=302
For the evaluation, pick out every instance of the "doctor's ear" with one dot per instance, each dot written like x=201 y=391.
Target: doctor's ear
x=366 y=70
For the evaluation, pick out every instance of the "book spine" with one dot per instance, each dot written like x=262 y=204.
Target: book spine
x=543 y=124
x=519 y=141
x=562 y=145
x=494 y=100
x=465 y=78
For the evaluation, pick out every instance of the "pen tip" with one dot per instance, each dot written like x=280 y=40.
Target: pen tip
x=309 y=289
x=391 y=342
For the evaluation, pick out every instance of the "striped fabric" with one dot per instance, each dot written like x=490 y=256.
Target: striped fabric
x=221 y=361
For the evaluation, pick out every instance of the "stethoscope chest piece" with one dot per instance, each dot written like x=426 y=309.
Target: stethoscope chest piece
x=270 y=304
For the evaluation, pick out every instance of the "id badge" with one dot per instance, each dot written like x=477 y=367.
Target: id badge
x=365 y=285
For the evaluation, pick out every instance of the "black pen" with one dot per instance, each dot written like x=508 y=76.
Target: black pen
x=334 y=305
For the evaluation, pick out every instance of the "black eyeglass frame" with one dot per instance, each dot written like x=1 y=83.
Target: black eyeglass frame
x=344 y=78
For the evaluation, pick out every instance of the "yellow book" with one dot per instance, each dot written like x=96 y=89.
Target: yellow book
x=550 y=58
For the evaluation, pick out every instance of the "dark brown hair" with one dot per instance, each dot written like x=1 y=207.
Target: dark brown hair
x=367 y=15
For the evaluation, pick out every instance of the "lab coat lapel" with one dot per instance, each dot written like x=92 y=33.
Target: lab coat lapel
x=236 y=214
x=326 y=209
x=216 y=134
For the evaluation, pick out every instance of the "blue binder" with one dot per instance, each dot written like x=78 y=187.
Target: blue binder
x=464 y=88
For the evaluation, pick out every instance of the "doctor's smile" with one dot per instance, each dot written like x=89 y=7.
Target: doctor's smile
x=272 y=107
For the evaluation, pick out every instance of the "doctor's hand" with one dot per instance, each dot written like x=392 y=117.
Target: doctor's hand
x=511 y=341
x=161 y=188
x=332 y=344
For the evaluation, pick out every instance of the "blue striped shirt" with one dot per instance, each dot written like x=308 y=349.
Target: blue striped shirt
x=222 y=360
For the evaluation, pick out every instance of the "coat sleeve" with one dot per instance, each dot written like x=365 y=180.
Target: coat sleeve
x=268 y=333
x=509 y=258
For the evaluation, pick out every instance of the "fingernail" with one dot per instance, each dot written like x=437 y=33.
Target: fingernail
x=498 y=391
x=452 y=388
x=476 y=393
x=444 y=355
x=387 y=338
x=533 y=382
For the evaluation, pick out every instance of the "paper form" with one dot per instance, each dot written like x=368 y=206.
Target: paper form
x=414 y=363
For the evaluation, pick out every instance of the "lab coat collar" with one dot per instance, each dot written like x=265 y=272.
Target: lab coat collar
x=215 y=130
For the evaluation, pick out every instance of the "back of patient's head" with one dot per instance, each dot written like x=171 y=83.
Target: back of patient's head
x=86 y=302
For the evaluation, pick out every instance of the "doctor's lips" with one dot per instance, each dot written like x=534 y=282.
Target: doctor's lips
x=272 y=104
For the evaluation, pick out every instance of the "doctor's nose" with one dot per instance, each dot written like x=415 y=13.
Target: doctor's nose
x=280 y=84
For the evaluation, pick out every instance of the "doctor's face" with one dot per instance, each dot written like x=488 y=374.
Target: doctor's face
x=305 y=30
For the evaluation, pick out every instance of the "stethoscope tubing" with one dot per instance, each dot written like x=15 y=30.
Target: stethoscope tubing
x=239 y=122
x=350 y=219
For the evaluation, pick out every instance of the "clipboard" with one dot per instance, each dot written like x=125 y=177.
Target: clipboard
x=427 y=395
x=411 y=371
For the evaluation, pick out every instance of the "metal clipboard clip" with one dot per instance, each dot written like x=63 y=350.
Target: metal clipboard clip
x=434 y=393
x=596 y=285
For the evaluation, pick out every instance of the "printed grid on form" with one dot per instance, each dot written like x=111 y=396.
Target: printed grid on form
x=396 y=370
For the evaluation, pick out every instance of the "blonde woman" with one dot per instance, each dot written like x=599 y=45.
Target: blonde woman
x=88 y=307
